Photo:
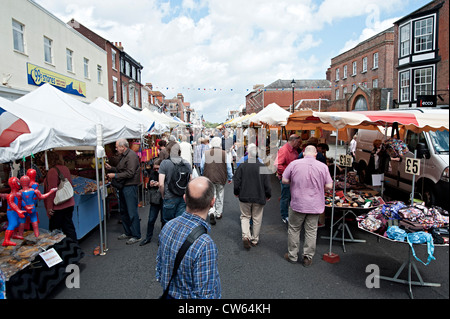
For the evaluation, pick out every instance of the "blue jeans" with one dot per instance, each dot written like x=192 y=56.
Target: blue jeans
x=285 y=200
x=152 y=215
x=128 y=199
x=173 y=207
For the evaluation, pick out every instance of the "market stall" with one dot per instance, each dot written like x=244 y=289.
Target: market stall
x=409 y=225
x=341 y=121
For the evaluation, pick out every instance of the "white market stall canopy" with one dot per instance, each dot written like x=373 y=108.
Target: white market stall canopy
x=47 y=130
x=50 y=99
x=272 y=114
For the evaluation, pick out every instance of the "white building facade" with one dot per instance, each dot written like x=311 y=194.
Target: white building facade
x=39 y=48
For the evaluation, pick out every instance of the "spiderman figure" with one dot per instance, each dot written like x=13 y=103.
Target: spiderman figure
x=29 y=198
x=13 y=212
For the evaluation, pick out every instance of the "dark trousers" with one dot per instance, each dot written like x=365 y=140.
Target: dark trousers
x=62 y=220
x=152 y=216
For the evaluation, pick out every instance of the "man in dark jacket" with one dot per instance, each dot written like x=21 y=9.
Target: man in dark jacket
x=127 y=172
x=252 y=187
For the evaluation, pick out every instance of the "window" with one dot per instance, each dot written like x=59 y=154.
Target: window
x=69 y=58
x=345 y=72
x=423 y=35
x=113 y=58
x=86 y=68
x=124 y=92
x=48 y=50
x=131 y=95
x=354 y=69
x=344 y=91
x=364 y=68
x=337 y=74
x=99 y=74
x=423 y=82
x=353 y=87
x=375 y=60
x=404 y=40
x=374 y=83
x=337 y=94
x=127 y=68
x=18 y=36
x=404 y=86
x=115 y=89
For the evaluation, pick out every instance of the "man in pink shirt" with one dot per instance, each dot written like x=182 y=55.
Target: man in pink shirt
x=286 y=154
x=308 y=179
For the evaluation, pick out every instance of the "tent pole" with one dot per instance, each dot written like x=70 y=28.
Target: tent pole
x=99 y=208
x=104 y=192
x=331 y=257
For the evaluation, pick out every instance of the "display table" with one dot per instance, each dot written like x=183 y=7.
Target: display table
x=345 y=201
x=423 y=224
x=85 y=213
x=27 y=275
x=410 y=263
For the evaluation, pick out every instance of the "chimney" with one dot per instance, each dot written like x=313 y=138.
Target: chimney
x=180 y=97
x=149 y=85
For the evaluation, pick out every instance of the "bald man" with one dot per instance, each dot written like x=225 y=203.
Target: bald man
x=198 y=275
x=309 y=179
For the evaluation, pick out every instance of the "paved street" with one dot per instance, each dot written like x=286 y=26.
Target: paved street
x=128 y=272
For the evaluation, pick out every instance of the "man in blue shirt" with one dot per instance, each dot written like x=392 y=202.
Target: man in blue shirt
x=198 y=274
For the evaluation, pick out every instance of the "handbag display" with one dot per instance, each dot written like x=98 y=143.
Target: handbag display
x=65 y=189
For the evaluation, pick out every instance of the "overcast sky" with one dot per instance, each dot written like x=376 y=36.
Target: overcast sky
x=214 y=51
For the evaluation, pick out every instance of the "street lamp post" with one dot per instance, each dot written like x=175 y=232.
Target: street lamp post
x=293 y=86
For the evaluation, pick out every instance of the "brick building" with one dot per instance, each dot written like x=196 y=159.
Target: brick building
x=421 y=56
x=123 y=72
x=306 y=93
x=361 y=78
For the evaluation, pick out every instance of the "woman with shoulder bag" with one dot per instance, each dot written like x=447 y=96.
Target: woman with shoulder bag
x=60 y=216
x=155 y=201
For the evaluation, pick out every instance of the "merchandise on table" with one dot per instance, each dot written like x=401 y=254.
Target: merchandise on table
x=16 y=258
x=409 y=218
x=353 y=199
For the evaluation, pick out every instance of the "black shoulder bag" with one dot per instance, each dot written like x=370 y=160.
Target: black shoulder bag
x=196 y=233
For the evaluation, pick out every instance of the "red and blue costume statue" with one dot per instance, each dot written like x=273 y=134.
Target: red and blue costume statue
x=29 y=199
x=14 y=212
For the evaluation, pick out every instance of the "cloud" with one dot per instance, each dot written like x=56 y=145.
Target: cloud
x=224 y=45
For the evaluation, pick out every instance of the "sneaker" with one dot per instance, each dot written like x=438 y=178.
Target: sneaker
x=123 y=236
x=306 y=261
x=212 y=219
x=133 y=240
x=145 y=242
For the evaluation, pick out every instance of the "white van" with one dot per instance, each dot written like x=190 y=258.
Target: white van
x=432 y=183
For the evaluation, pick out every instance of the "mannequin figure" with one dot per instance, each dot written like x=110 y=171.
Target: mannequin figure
x=29 y=195
x=14 y=212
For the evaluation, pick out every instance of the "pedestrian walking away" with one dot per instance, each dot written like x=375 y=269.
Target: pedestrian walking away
x=252 y=187
x=216 y=165
x=198 y=274
x=174 y=175
x=309 y=178
x=286 y=154
x=126 y=173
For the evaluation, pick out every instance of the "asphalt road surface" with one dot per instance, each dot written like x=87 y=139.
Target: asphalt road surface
x=128 y=271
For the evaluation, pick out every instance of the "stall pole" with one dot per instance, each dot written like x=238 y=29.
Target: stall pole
x=104 y=194
x=102 y=252
x=413 y=180
x=331 y=257
x=99 y=150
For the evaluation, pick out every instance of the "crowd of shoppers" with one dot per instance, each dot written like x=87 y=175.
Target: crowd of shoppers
x=186 y=203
